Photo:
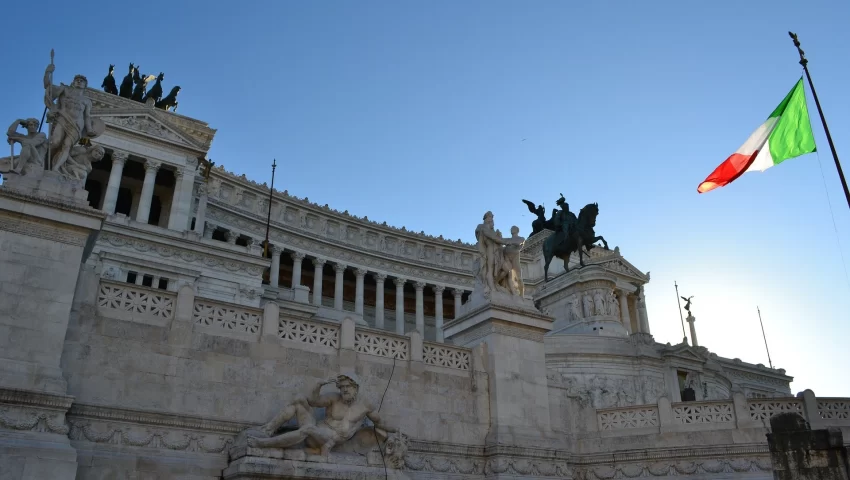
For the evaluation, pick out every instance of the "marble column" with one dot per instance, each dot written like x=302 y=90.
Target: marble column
x=144 y=210
x=230 y=236
x=438 y=311
x=360 y=275
x=624 y=310
x=399 y=305
x=420 y=307
x=380 y=278
x=318 y=274
x=641 y=311
x=201 y=214
x=118 y=161
x=339 y=268
x=209 y=229
x=274 y=274
x=458 y=294
x=183 y=215
x=691 y=319
x=297 y=259
x=175 y=200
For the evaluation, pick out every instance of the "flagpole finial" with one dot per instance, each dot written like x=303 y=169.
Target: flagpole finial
x=803 y=60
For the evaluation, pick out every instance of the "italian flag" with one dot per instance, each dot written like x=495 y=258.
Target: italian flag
x=785 y=134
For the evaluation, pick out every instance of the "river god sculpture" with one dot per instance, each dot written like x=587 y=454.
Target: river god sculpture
x=344 y=415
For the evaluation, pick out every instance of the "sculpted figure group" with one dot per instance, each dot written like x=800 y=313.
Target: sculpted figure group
x=345 y=412
x=135 y=87
x=572 y=234
x=498 y=267
x=67 y=148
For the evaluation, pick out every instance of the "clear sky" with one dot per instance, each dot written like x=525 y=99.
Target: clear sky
x=427 y=114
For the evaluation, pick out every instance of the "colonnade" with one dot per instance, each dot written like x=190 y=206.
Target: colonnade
x=184 y=178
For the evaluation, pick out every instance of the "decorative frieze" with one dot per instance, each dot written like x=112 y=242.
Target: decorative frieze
x=714 y=412
x=125 y=298
x=228 y=318
x=167 y=251
x=443 y=355
x=625 y=418
x=381 y=345
x=310 y=333
x=762 y=410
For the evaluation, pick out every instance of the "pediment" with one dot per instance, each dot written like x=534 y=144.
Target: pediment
x=143 y=123
x=182 y=130
x=623 y=267
x=684 y=352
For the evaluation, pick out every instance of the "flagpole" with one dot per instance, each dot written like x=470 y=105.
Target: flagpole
x=269 y=218
x=804 y=62
x=765 y=338
x=684 y=335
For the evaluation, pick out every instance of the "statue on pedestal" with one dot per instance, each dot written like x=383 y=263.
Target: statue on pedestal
x=498 y=267
x=344 y=415
x=571 y=235
x=33 y=148
x=70 y=116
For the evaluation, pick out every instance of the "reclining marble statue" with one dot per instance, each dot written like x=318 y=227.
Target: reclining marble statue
x=344 y=415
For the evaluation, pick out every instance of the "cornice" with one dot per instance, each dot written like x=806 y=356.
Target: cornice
x=226 y=216
x=15 y=396
x=168 y=247
x=144 y=417
x=10 y=192
x=304 y=203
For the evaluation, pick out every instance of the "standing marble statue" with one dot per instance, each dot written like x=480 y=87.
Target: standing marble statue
x=344 y=415
x=70 y=116
x=33 y=148
x=498 y=268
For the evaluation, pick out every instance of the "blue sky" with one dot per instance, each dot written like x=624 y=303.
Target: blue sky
x=427 y=114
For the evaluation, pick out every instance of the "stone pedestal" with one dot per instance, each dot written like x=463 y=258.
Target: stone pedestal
x=46 y=228
x=512 y=331
x=799 y=453
x=276 y=463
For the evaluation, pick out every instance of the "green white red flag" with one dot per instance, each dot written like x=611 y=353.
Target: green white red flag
x=787 y=133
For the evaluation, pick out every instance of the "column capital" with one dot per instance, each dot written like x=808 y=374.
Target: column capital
x=297 y=256
x=339 y=267
x=275 y=250
x=209 y=228
x=399 y=282
x=360 y=272
x=202 y=189
x=231 y=236
x=119 y=157
x=419 y=285
x=457 y=291
x=319 y=261
x=379 y=277
x=152 y=165
x=179 y=173
x=439 y=289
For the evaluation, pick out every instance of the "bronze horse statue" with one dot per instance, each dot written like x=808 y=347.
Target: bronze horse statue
x=560 y=245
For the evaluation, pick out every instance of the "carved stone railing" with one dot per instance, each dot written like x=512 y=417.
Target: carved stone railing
x=643 y=416
x=762 y=409
x=218 y=318
x=442 y=355
x=381 y=344
x=704 y=412
x=130 y=302
x=834 y=409
x=307 y=332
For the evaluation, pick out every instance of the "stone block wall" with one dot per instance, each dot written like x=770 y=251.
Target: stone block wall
x=166 y=381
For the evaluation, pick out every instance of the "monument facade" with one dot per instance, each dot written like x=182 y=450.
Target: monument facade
x=147 y=332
